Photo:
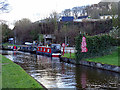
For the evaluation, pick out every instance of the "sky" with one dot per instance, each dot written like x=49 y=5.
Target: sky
x=39 y=9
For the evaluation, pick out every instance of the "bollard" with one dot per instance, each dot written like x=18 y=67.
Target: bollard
x=63 y=45
x=63 y=51
x=70 y=52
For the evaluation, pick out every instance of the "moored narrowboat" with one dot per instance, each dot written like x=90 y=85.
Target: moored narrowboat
x=53 y=51
x=26 y=48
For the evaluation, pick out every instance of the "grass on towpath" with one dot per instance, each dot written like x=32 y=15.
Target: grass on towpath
x=111 y=59
x=68 y=55
x=13 y=76
x=7 y=44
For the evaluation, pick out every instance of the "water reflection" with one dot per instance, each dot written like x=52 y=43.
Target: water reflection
x=95 y=78
x=55 y=74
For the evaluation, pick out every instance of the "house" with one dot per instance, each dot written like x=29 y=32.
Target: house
x=81 y=18
x=108 y=16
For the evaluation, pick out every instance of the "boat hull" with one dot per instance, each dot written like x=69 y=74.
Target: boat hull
x=43 y=53
x=56 y=54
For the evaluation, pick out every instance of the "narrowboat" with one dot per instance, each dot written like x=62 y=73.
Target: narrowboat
x=9 y=48
x=53 y=51
x=27 y=48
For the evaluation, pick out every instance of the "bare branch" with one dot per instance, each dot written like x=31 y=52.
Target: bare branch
x=4 y=6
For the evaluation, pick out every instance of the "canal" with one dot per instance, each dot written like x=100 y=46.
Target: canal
x=52 y=73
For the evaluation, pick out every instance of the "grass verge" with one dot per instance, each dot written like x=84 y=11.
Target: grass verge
x=67 y=55
x=111 y=59
x=13 y=76
x=7 y=44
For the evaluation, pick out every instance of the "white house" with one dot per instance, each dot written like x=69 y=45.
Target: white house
x=108 y=16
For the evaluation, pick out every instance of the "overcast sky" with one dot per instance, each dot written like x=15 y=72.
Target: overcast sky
x=40 y=9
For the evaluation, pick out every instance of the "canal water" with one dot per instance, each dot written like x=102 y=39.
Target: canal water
x=53 y=73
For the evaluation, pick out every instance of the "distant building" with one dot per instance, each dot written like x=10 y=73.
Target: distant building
x=48 y=38
x=11 y=40
x=67 y=18
x=82 y=17
x=108 y=16
x=78 y=20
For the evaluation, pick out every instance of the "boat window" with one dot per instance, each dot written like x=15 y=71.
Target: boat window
x=48 y=50
x=58 y=47
x=44 y=49
x=38 y=49
x=41 y=49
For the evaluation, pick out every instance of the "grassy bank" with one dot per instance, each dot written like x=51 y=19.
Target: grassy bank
x=68 y=55
x=111 y=59
x=13 y=76
x=7 y=44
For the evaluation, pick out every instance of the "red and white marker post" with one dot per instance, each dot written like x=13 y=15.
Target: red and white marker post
x=63 y=45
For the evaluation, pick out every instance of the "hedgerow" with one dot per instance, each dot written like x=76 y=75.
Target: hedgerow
x=98 y=45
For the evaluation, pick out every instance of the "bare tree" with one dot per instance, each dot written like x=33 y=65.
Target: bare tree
x=119 y=14
x=67 y=34
x=75 y=11
x=4 y=6
x=66 y=12
x=22 y=30
x=54 y=15
x=102 y=8
x=6 y=32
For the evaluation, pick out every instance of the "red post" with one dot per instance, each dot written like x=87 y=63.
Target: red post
x=70 y=52
x=63 y=45
x=63 y=50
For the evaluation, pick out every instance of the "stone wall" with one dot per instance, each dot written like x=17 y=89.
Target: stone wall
x=93 y=64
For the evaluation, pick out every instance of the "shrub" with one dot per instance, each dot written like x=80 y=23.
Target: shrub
x=98 y=45
x=115 y=32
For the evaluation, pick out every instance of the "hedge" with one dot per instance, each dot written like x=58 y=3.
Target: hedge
x=98 y=45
